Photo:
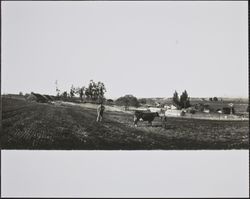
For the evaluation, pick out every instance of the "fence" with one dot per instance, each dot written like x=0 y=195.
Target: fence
x=209 y=116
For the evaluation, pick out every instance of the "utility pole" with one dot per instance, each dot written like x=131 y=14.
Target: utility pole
x=57 y=89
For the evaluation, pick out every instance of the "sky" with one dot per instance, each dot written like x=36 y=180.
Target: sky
x=144 y=48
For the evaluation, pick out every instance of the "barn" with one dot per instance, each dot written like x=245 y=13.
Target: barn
x=37 y=98
x=228 y=110
x=48 y=97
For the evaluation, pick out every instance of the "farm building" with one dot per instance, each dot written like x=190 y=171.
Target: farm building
x=110 y=102
x=158 y=110
x=167 y=107
x=228 y=110
x=190 y=110
x=174 y=112
x=48 y=97
x=172 y=107
x=31 y=97
x=53 y=97
x=157 y=104
x=219 y=111
x=206 y=110
x=37 y=98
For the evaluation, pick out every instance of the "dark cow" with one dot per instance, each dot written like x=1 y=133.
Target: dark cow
x=145 y=116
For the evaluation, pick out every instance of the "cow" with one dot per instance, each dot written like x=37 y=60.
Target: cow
x=144 y=116
x=160 y=111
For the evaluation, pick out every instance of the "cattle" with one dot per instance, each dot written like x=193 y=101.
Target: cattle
x=160 y=111
x=144 y=116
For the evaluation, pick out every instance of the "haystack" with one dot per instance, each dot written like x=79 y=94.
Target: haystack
x=37 y=97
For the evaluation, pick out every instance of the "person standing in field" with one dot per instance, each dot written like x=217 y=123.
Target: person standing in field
x=100 y=110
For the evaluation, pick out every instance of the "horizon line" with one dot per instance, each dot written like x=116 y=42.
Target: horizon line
x=163 y=97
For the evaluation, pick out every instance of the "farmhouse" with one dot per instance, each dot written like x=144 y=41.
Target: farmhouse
x=206 y=110
x=171 y=112
x=172 y=107
x=154 y=109
x=110 y=102
x=167 y=107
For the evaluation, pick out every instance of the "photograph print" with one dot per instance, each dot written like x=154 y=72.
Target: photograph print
x=123 y=75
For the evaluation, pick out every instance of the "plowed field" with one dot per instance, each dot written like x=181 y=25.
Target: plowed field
x=31 y=125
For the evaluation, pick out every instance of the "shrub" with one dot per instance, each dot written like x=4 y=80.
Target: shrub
x=127 y=100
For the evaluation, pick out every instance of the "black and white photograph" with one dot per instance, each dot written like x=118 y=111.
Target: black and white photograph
x=126 y=99
x=124 y=76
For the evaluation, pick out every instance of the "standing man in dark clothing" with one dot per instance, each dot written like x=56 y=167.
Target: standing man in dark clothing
x=100 y=110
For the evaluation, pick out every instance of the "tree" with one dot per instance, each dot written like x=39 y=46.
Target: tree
x=21 y=93
x=91 y=89
x=87 y=93
x=176 y=99
x=215 y=99
x=127 y=100
x=72 y=91
x=81 y=92
x=57 y=89
x=64 y=95
x=142 y=101
x=184 y=100
x=95 y=91
x=210 y=99
x=101 y=90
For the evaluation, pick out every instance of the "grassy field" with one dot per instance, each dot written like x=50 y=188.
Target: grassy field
x=31 y=125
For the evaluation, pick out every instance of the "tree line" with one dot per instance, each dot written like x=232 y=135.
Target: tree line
x=180 y=102
x=94 y=91
x=183 y=101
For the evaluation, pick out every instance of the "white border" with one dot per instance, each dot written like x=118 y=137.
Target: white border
x=125 y=173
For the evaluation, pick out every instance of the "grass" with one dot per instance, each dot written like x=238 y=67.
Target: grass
x=30 y=125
